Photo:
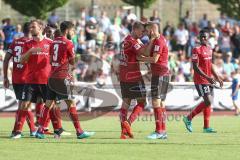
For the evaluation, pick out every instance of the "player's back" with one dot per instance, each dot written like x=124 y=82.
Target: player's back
x=16 y=49
x=62 y=51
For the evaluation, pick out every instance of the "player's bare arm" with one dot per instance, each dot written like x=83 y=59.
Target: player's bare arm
x=5 y=69
x=200 y=72
x=216 y=76
x=152 y=59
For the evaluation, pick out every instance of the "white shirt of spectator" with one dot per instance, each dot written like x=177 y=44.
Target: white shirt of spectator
x=182 y=36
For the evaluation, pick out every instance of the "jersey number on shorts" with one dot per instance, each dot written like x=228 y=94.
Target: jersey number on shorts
x=206 y=89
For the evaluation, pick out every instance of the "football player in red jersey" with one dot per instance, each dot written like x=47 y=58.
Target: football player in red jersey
x=131 y=82
x=15 y=50
x=160 y=78
x=60 y=80
x=204 y=78
x=36 y=57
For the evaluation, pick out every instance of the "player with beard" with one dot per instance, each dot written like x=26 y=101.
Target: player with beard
x=60 y=80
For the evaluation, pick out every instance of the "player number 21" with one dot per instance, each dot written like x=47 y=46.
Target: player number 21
x=55 y=54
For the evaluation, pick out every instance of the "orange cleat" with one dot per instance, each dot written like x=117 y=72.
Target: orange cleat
x=127 y=126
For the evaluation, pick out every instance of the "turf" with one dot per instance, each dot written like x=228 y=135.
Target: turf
x=106 y=143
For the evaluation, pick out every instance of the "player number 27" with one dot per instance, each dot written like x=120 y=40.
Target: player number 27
x=55 y=52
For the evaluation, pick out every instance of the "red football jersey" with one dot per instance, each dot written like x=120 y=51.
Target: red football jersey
x=161 y=66
x=61 y=51
x=19 y=70
x=129 y=66
x=38 y=63
x=203 y=56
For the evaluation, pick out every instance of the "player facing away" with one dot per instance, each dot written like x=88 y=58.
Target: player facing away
x=160 y=78
x=60 y=80
x=15 y=50
x=131 y=82
x=204 y=78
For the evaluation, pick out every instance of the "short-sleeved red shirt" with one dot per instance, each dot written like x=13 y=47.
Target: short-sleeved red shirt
x=16 y=49
x=160 y=68
x=38 y=63
x=129 y=66
x=61 y=51
x=202 y=55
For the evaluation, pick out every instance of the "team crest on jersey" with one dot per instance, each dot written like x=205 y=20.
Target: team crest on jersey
x=137 y=46
x=46 y=46
x=194 y=56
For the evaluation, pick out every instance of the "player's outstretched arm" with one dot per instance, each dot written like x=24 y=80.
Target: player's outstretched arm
x=200 y=72
x=216 y=76
x=5 y=69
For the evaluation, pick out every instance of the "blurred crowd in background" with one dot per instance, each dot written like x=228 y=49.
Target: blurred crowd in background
x=97 y=43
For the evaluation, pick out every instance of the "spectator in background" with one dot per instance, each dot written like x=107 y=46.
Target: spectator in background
x=53 y=19
x=91 y=33
x=19 y=32
x=124 y=30
x=9 y=31
x=114 y=30
x=186 y=66
x=214 y=35
x=155 y=17
x=181 y=35
x=228 y=67
x=104 y=22
x=225 y=42
x=117 y=18
x=235 y=39
x=222 y=20
x=130 y=17
x=193 y=33
x=187 y=20
x=203 y=22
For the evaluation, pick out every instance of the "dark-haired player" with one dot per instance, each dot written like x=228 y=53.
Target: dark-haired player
x=131 y=82
x=204 y=77
x=15 y=50
x=60 y=80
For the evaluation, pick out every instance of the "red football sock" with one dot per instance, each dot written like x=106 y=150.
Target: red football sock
x=206 y=116
x=158 y=119
x=196 y=111
x=55 y=116
x=30 y=121
x=164 y=119
x=136 y=111
x=16 y=120
x=38 y=111
x=44 y=116
x=21 y=118
x=123 y=115
x=74 y=116
x=46 y=124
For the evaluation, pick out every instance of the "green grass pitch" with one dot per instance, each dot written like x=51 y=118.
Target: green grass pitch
x=106 y=145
